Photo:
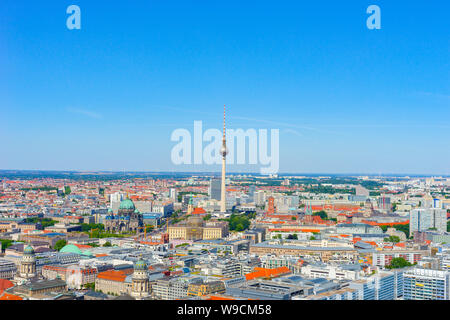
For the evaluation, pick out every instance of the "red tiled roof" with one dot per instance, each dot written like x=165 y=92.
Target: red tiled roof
x=198 y=211
x=82 y=246
x=7 y=296
x=263 y=272
x=112 y=275
x=5 y=284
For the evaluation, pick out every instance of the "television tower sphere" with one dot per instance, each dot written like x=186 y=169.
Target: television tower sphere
x=223 y=151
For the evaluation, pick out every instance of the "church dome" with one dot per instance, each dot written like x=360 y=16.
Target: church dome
x=127 y=204
x=28 y=250
x=140 y=265
x=71 y=248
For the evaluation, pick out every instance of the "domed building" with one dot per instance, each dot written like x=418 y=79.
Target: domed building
x=28 y=264
x=140 y=282
x=71 y=248
x=127 y=219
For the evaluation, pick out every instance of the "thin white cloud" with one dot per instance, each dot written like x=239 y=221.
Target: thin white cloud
x=294 y=132
x=86 y=113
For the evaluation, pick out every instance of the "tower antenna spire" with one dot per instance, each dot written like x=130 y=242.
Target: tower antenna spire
x=224 y=122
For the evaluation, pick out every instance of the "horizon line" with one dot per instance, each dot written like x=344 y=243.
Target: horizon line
x=229 y=173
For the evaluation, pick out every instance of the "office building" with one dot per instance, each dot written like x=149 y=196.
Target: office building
x=215 y=189
x=426 y=284
x=426 y=219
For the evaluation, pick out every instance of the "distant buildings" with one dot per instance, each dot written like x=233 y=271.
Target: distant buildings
x=426 y=219
x=267 y=290
x=288 y=252
x=115 y=200
x=127 y=219
x=426 y=284
x=381 y=286
x=195 y=228
x=173 y=194
x=114 y=282
x=384 y=203
x=215 y=189
x=202 y=288
x=325 y=253
x=170 y=289
x=383 y=258
x=7 y=269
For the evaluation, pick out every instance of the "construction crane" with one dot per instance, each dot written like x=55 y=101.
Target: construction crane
x=140 y=231
x=92 y=231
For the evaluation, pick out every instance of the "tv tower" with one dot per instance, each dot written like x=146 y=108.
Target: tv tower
x=223 y=152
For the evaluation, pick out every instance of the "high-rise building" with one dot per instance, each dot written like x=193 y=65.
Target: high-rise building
x=114 y=201
x=384 y=203
x=260 y=198
x=271 y=209
x=251 y=193
x=215 y=189
x=426 y=284
x=425 y=219
x=173 y=194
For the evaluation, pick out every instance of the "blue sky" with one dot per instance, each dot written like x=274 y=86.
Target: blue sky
x=107 y=97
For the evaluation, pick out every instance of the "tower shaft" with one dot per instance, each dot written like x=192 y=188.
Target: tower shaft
x=223 y=207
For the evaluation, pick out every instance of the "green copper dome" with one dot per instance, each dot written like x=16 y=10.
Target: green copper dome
x=28 y=250
x=140 y=265
x=71 y=248
x=127 y=204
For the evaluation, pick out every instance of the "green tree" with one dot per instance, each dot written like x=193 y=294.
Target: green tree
x=90 y=285
x=397 y=263
x=86 y=227
x=94 y=245
x=240 y=222
x=60 y=244
x=6 y=243
x=107 y=244
x=45 y=222
x=321 y=214
x=67 y=190
x=393 y=239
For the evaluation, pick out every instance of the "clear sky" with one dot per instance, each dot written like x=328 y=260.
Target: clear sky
x=346 y=99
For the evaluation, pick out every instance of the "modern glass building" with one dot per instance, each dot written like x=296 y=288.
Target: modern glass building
x=426 y=284
x=215 y=189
